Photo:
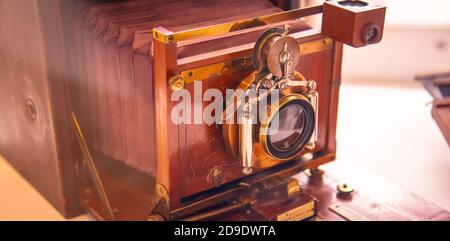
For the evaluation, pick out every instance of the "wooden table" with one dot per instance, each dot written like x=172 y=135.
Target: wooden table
x=374 y=199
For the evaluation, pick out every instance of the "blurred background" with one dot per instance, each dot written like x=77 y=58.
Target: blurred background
x=385 y=123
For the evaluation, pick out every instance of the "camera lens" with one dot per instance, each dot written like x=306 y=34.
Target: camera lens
x=289 y=129
x=286 y=128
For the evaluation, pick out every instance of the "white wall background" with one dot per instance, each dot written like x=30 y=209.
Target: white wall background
x=416 y=40
x=419 y=12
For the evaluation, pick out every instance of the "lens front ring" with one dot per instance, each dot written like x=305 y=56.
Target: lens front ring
x=307 y=127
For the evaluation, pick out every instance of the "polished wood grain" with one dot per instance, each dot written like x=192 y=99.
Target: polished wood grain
x=36 y=133
x=167 y=154
x=130 y=192
x=123 y=32
x=336 y=78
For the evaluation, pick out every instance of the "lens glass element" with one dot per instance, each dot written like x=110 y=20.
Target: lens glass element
x=286 y=127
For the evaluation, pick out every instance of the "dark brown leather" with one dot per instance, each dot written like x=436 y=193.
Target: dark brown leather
x=114 y=79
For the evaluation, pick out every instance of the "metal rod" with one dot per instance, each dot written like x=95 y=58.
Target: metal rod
x=207 y=202
x=217 y=212
x=91 y=166
x=166 y=36
x=246 y=139
x=314 y=99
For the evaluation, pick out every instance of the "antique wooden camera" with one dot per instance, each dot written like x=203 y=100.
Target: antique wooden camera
x=104 y=138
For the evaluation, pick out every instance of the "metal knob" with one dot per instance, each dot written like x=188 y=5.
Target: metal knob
x=344 y=191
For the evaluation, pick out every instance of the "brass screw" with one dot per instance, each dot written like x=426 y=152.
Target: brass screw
x=344 y=189
x=312 y=85
x=216 y=176
x=177 y=83
x=31 y=109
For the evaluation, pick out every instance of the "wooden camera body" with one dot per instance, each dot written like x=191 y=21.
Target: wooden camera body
x=88 y=117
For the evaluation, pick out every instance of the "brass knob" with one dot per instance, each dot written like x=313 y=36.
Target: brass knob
x=293 y=187
x=177 y=83
x=216 y=176
x=344 y=190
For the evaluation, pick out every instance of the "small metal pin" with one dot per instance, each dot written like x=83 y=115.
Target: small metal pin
x=344 y=191
x=31 y=109
x=287 y=29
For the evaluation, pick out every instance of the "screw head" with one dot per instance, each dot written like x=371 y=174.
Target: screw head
x=312 y=85
x=177 y=83
x=216 y=176
x=344 y=189
x=31 y=109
